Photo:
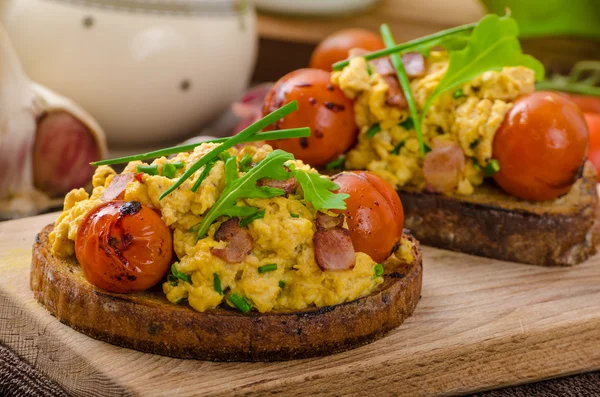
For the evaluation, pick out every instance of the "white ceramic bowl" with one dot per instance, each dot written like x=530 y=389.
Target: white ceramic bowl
x=149 y=71
x=314 y=7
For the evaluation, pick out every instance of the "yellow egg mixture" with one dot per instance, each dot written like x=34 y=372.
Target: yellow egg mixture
x=279 y=238
x=470 y=116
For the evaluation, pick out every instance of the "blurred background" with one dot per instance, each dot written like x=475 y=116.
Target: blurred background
x=129 y=76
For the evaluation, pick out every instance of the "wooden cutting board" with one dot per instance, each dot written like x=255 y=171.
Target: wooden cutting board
x=481 y=324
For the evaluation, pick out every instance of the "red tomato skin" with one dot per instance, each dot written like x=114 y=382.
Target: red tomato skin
x=123 y=252
x=593 y=122
x=373 y=212
x=321 y=106
x=541 y=146
x=587 y=103
x=335 y=47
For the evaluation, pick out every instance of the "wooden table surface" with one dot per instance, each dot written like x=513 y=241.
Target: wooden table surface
x=481 y=324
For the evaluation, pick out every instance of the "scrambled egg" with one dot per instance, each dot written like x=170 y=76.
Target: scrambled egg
x=283 y=237
x=471 y=116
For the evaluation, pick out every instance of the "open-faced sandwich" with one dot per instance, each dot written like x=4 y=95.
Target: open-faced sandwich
x=229 y=252
x=483 y=163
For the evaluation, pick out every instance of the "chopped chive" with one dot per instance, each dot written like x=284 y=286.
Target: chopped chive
x=476 y=164
x=337 y=163
x=178 y=164
x=374 y=129
x=267 y=268
x=294 y=215
x=263 y=136
x=148 y=169
x=179 y=275
x=234 y=140
x=281 y=284
x=369 y=70
x=181 y=301
x=248 y=220
x=458 y=93
x=426 y=148
x=217 y=283
x=388 y=39
x=474 y=144
x=378 y=269
x=240 y=302
x=396 y=149
x=224 y=156
x=492 y=167
x=172 y=280
x=406 y=46
x=407 y=124
x=245 y=163
x=169 y=171
x=203 y=176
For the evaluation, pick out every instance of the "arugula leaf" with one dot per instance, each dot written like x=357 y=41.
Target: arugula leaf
x=245 y=187
x=493 y=45
x=319 y=191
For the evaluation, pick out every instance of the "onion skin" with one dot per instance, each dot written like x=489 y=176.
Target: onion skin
x=63 y=150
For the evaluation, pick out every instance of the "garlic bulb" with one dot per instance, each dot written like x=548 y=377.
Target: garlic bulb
x=39 y=127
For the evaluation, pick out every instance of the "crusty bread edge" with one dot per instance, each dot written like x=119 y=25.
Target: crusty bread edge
x=148 y=323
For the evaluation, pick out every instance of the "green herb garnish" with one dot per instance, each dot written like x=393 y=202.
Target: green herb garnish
x=203 y=176
x=217 y=283
x=458 y=93
x=263 y=136
x=281 y=284
x=492 y=167
x=178 y=164
x=294 y=215
x=319 y=191
x=337 y=163
x=173 y=280
x=267 y=268
x=240 y=302
x=432 y=40
x=427 y=148
x=374 y=129
x=378 y=269
x=389 y=41
x=407 y=124
x=258 y=215
x=148 y=169
x=396 y=149
x=245 y=163
x=179 y=275
x=169 y=171
x=181 y=301
x=492 y=46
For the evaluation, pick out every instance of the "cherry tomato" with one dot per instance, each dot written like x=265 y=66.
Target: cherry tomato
x=587 y=103
x=593 y=122
x=335 y=47
x=322 y=107
x=373 y=211
x=541 y=146
x=123 y=247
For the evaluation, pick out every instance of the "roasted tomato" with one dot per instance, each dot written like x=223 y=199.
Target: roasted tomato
x=123 y=247
x=593 y=122
x=587 y=103
x=541 y=146
x=322 y=107
x=335 y=47
x=373 y=211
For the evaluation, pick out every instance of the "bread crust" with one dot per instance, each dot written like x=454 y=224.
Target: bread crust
x=490 y=223
x=149 y=323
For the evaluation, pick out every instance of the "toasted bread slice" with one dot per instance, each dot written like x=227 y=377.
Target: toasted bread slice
x=148 y=322
x=490 y=223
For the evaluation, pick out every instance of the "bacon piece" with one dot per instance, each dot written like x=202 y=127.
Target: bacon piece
x=324 y=221
x=116 y=188
x=287 y=185
x=395 y=96
x=240 y=242
x=443 y=166
x=333 y=245
x=414 y=64
x=384 y=66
